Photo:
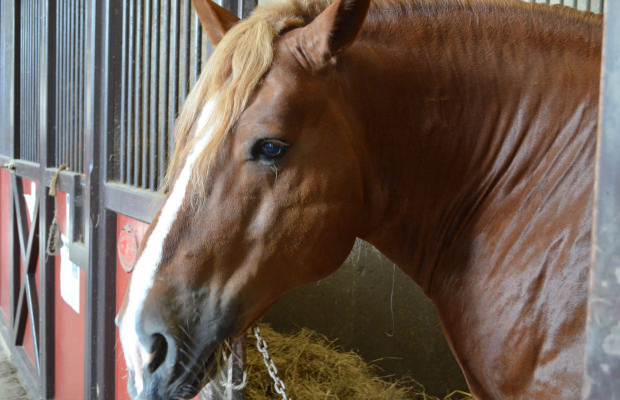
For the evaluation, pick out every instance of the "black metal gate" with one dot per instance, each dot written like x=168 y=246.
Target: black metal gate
x=94 y=85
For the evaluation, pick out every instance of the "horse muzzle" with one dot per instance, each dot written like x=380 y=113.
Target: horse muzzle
x=170 y=369
x=172 y=355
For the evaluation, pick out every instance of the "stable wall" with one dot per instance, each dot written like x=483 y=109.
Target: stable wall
x=353 y=306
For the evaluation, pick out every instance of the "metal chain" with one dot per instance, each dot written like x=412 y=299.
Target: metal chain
x=261 y=345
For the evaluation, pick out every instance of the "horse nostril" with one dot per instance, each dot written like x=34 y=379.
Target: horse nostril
x=159 y=349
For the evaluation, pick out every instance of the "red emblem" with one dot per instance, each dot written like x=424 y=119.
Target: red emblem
x=127 y=248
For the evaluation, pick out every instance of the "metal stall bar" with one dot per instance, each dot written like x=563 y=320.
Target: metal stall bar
x=102 y=91
x=162 y=86
x=136 y=96
x=602 y=378
x=153 y=96
x=47 y=113
x=146 y=92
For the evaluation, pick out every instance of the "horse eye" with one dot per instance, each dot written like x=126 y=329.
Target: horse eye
x=269 y=150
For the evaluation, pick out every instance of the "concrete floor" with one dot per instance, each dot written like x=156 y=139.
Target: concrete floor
x=10 y=387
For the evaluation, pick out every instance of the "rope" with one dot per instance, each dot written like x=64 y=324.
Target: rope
x=54 y=241
x=10 y=166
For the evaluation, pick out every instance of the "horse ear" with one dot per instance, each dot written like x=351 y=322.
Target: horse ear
x=333 y=30
x=215 y=20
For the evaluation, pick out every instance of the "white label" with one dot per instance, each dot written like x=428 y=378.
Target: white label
x=31 y=199
x=69 y=272
x=69 y=279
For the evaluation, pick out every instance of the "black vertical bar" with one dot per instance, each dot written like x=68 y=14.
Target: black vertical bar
x=81 y=64
x=47 y=59
x=14 y=26
x=62 y=83
x=32 y=121
x=144 y=133
x=131 y=116
x=124 y=96
x=194 y=48
x=16 y=123
x=602 y=377
x=31 y=84
x=153 y=96
x=173 y=77
x=72 y=97
x=26 y=82
x=184 y=28
x=138 y=80
x=75 y=86
x=20 y=89
x=70 y=81
x=56 y=79
x=163 y=86
x=15 y=258
x=67 y=85
x=102 y=92
x=38 y=26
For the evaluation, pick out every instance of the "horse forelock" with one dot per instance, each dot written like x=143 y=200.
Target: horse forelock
x=231 y=75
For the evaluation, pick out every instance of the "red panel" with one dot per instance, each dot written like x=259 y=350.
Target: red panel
x=122 y=281
x=5 y=231
x=68 y=330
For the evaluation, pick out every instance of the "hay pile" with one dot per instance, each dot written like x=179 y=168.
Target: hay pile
x=313 y=368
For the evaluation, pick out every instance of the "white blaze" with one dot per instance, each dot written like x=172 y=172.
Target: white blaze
x=136 y=356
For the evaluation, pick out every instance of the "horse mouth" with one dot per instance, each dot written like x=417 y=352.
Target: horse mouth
x=198 y=375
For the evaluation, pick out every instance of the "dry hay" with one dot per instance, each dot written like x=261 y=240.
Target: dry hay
x=315 y=368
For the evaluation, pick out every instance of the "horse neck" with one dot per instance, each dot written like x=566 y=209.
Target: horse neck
x=471 y=132
x=457 y=114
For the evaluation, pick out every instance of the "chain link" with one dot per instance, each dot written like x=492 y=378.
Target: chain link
x=261 y=345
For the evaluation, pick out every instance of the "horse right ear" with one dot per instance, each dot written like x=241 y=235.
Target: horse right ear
x=332 y=31
x=215 y=20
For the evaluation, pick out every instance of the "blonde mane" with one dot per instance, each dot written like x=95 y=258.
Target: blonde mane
x=245 y=55
x=232 y=73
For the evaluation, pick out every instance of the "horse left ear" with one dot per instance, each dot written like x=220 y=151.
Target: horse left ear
x=215 y=20
x=333 y=30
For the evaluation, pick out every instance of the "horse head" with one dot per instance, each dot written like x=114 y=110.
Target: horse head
x=265 y=192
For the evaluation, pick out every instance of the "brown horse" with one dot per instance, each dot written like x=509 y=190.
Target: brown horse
x=457 y=136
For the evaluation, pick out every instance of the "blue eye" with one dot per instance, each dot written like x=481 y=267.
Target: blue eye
x=269 y=150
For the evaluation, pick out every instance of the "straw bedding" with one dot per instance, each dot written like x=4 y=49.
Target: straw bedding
x=313 y=368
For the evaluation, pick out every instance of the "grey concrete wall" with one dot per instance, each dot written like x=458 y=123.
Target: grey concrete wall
x=353 y=306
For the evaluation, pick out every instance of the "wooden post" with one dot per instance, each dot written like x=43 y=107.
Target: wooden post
x=602 y=376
